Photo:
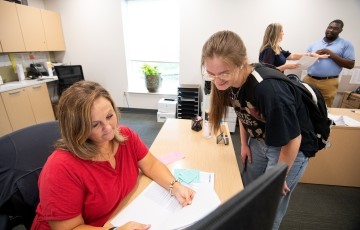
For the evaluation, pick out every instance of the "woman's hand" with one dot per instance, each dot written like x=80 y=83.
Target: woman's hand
x=285 y=189
x=292 y=66
x=134 y=226
x=183 y=194
x=245 y=154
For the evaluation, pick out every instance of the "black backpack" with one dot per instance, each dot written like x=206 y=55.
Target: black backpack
x=314 y=102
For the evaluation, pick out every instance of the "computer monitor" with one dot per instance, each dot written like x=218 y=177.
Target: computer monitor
x=253 y=208
x=68 y=75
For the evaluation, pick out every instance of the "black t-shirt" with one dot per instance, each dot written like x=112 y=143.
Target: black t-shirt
x=268 y=56
x=273 y=111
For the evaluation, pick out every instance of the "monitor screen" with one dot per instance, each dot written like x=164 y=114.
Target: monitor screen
x=253 y=208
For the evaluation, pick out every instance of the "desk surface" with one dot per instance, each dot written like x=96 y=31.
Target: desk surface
x=200 y=153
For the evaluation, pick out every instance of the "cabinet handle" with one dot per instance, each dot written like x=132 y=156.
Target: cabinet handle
x=15 y=92
x=35 y=87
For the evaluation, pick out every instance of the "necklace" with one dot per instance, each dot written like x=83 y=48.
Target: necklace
x=234 y=96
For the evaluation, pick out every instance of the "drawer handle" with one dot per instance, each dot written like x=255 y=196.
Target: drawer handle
x=15 y=92
x=35 y=87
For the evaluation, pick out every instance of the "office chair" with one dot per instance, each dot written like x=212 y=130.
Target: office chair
x=68 y=75
x=22 y=156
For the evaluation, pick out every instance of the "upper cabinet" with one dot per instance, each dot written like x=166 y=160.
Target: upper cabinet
x=24 y=29
x=11 y=39
x=53 y=30
x=32 y=28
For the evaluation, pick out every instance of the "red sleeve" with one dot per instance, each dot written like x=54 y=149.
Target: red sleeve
x=61 y=192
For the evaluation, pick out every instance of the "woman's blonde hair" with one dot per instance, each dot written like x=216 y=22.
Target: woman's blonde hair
x=229 y=47
x=74 y=115
x=272 y=37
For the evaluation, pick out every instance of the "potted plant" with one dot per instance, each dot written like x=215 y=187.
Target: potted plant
x=152 y=77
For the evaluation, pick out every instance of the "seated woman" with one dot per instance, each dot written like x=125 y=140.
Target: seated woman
x=95 y=164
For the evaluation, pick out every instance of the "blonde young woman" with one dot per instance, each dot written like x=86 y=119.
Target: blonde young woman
x=95 y=165
x=271 y=114
x=272 y=54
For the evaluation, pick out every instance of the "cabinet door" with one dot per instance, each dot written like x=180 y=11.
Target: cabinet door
x=31 y=27
x=53 y=30
x=11 y=38
x=18 y=108
x=40 y=103
x=5 y=126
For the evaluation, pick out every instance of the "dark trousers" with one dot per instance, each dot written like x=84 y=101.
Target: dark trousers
x=17 y=212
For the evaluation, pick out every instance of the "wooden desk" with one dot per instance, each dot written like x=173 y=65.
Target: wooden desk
x=200 y=153
x=339 y=164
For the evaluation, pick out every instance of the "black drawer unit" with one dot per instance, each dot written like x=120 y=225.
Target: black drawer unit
x=188 y=101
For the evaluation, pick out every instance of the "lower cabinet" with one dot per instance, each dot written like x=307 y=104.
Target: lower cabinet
x=5 y=126
x=27 y=106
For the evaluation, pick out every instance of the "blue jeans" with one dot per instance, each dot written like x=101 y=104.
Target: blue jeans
x=265 y=157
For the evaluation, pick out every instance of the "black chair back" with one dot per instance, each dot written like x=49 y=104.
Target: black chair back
x=22 y=156
x=68 y=75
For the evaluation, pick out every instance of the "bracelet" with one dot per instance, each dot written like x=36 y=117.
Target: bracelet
x=113 y=228
x=171 y=186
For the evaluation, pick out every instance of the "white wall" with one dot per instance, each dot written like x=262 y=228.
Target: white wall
x=304 y=22
x=94 y=35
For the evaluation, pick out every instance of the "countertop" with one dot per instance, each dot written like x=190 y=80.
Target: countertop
x=22 y=84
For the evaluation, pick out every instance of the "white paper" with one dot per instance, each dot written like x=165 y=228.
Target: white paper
x=344 y=120
x=305 y=62
x=355 y=76
x=155 y=206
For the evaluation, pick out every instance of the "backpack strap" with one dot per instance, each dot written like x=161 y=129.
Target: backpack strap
x=257 y=76
x=309 y=89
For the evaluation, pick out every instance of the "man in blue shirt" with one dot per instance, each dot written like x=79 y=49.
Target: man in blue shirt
x=325 y=72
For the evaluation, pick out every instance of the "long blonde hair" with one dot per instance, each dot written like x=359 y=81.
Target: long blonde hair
x=272 y=37
x=74 y=114
x=229 y=47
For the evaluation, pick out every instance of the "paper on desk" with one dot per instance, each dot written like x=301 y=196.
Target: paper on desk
x=344 y=120
x=155 y=206
x=305 y=62
x=194 y=178
x=170 y=157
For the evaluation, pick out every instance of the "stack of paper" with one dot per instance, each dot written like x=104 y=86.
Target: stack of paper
x=155 y=206
x=344 y=120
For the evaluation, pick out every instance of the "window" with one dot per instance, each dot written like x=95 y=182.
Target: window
x=152 y=35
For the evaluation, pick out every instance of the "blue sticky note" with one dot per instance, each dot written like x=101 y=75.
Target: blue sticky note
x=187 y=176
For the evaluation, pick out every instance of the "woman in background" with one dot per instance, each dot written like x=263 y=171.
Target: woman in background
x=273 y=55
x=95 y=165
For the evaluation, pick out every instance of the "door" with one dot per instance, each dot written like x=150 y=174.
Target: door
x=5 y=126
x=40 y=103
x=53 y=30
x=11 y=39
x=32 y=28
x=18 y=108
